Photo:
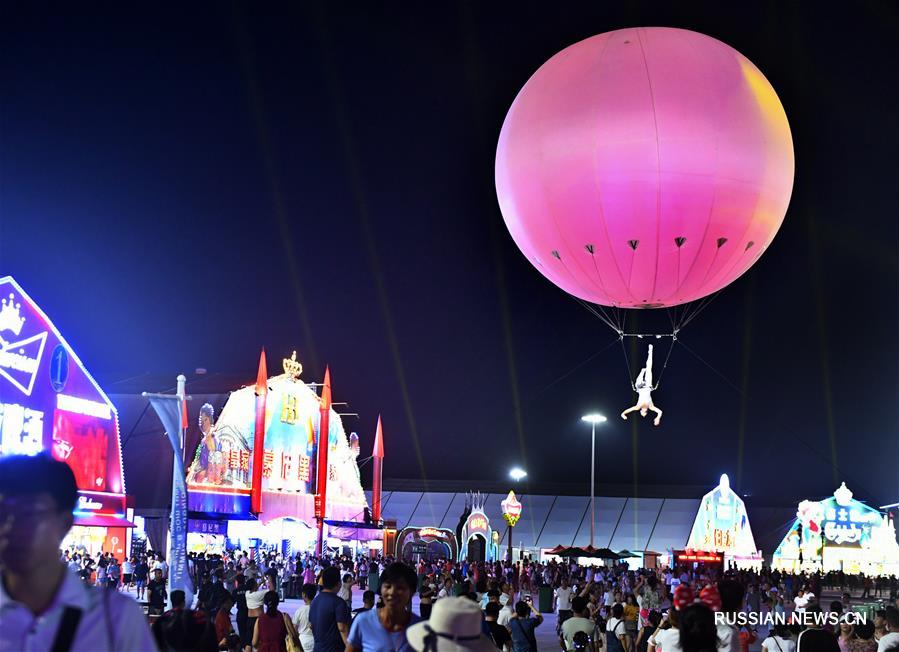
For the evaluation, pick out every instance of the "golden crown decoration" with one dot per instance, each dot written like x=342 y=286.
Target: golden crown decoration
x=292 y=368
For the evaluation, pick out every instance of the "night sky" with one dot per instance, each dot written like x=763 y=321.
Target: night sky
x=180 y=187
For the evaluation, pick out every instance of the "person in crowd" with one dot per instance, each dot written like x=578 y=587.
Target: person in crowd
x=579 y=622
x=222 y=621
x=156 y=594
x=127 y=573
x=730 y=594
x=113 y=574
x=616 y=632
x=273 y=627
x=346 y=589
x=650 y=625
x=329 y=615
x=385 y=628
x=562 y=603
x=779 y=640
x=697 y=631
x=254 y=597
x=368 y=603
x=41 y=601
x=455 y=626
x=141 y=573
x=500 y=635
x=180 y=630
x=426 y=592
x=522 y=626
x=890 y=640
x=814 y=638
x=301 y=617
x=631 y=614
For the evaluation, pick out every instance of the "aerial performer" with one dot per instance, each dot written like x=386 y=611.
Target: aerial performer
x=644 y=389
x=645 y=169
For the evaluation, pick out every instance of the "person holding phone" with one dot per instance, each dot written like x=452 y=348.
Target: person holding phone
x=522 y=626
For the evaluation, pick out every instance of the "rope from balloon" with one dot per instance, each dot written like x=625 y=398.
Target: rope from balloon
x=615 y=319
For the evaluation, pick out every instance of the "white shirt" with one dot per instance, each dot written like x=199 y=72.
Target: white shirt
x=728 y=638
x=304 y=628
x=563 y=599
x=505 y=615
x=667 y=640
x=254 y=598
x=778 y=644
x=887 y=640
x=801 y=602
x=109 y=621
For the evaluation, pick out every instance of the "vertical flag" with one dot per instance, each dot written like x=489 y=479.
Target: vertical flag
x=172 y=411
x=259 y=435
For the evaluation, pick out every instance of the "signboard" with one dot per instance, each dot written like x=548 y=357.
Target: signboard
x=49 y=402
x=478 y=523
x=206 y=526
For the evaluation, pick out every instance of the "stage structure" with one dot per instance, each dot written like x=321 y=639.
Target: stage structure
x=722 y=526
x=478 y=541
x=289 y=503
x=49 y=402
x=839 y=533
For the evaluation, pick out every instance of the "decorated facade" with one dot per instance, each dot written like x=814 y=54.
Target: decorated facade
x=839 y=533
x=220 y=478
x=49 y=402
x=722 y=526
x=478 y=541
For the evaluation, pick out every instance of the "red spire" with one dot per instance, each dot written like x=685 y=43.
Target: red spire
x=262 y=376
x=379 y=441
x=326 y=390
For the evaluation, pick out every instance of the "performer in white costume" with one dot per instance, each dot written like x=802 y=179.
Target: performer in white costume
x=644 y=389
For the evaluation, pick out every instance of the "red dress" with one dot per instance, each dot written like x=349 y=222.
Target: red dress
x=272 y=633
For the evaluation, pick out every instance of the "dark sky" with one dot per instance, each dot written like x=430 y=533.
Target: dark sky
x=180 y=187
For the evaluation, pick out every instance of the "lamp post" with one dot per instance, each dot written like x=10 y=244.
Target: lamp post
x=511 y=507
x=593 y=419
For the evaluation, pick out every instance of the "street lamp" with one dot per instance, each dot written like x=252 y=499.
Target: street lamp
x=593 y=419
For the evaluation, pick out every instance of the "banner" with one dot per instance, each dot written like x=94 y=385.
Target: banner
x=169 y=408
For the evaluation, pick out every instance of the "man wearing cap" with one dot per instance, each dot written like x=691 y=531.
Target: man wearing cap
x=43 y=606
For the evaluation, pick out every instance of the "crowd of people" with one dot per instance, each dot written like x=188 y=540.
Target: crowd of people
x=72 y=601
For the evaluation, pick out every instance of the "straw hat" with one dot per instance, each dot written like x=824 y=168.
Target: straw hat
x=454 y=626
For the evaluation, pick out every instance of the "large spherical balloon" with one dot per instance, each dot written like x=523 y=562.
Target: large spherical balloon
x=645 y=167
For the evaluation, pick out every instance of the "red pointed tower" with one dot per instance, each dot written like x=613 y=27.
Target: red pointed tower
x=322 y=460
x=378 y=459
x=259 y=435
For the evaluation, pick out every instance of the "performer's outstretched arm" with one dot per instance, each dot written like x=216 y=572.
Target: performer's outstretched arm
x=628 y=411
x=658 y=414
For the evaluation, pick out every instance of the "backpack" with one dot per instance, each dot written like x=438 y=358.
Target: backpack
x=582 y=641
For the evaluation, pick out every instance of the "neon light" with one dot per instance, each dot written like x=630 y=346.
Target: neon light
x=83 y=406
x=430 y=532
x=13 y=358
x=7 y=321
x=61 y=339
x=21 y=430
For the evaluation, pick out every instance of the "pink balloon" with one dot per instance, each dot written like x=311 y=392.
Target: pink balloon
x=645 y=167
